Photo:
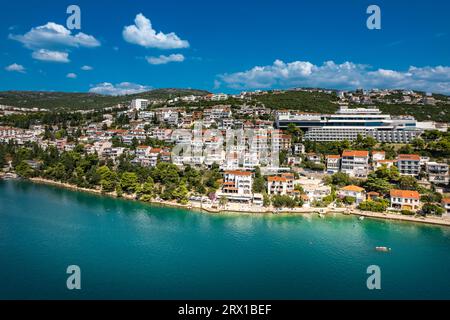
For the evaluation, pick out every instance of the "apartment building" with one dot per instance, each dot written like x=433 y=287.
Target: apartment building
x=408 y=164
x=405 y=200
x=280 y=185
x=237 y=186
x=355 y=163
x=438 y=173
x=333 y=163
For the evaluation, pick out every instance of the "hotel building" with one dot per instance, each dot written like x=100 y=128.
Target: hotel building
x=348 y=123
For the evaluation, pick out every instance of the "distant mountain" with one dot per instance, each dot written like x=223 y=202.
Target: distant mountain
x=84 y=101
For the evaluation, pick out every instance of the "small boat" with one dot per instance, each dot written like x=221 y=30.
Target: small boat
x=383 y=249
x=321 y=215
x=361 y=218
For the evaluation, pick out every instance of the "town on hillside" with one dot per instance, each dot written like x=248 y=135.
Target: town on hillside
x=242 y=153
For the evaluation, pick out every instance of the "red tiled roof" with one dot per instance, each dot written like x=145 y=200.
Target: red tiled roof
x=353 y=188
x=414 y=157
x=355 y=153
x=405 y=194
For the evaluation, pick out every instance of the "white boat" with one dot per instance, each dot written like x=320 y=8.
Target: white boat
x=383 y=249
x=361 y=218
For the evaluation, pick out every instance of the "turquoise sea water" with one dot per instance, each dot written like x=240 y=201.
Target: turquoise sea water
x=129 y=250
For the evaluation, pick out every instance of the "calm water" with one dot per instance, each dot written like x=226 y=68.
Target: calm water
x=131 y=250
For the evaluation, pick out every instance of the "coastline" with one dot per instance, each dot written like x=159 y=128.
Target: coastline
x=205 y=208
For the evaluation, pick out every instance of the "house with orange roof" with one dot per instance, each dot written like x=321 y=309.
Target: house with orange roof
x=353 y=191
x=333 y=163
x=355 y=163
x=378 y=155
x=283 y=185
x=405 y=200
x=408 y=164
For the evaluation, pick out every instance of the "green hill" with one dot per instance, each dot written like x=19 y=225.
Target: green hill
x=84 y=101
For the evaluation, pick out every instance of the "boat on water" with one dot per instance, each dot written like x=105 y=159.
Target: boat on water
x=383 y=249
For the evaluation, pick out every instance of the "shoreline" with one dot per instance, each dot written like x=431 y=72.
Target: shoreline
x=205 y=208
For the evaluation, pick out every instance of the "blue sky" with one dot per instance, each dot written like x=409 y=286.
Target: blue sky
x=224 y=46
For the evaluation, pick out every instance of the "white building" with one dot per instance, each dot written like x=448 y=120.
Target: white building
x=237 y=186
x=405 y=200
x=355 y=163
x=437 y=172
x=139 y=104
x=283 y=185
x=408 y=164
x=353 y=191
x=333 y=163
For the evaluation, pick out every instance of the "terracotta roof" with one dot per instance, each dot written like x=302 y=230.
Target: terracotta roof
x=405 y=194
x=353 y=188
x=355 y=153
x=373 y=193
x=446 y=200
x=378 y=152
x=414 y=157
x=333 y=156
x=238 y=173
x=276 y=178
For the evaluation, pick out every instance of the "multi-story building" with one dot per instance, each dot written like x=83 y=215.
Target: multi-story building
x=237 y=186
x=333 y=163
x=408 y=164
x=405 y=200
x=283 y=185
x=348 y=123
x=437 y=172
x=378 y=155
x=355 y=163
x=139 y=104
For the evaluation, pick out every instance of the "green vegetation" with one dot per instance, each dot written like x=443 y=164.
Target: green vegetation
x=439 y=112
x=300 y=100
x=84 y=101
x=84 y=170
x=374 y=206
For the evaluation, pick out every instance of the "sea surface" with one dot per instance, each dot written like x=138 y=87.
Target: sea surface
x=131 y=250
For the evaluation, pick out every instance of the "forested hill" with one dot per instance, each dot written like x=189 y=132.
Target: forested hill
x=84 y=101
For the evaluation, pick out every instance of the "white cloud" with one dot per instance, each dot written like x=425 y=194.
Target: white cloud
x=162 y=59
x=143 y=34
x=86 y=68
x=71 y=75
x=119 y=89
x=53 y=35
x=15 y=67
x=347 y=75
x=52 y=56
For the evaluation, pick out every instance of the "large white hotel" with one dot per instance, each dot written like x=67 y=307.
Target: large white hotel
x=348 y=123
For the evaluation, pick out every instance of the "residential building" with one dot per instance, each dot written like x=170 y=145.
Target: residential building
x=446 y=205
x=283 y=185
x=355 y=163
x=333 y=163
x=405 y=200
x=139 y=104
x=408 y=164
x=438 y=173
x=353 y=191
x=237 y=186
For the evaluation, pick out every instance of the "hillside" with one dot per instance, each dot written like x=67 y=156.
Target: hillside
x=83 y=101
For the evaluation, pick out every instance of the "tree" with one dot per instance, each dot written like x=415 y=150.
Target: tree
x=129 y=182
x=258 y=182
x=108 y=178
x=433 y=209
x=408 y=183
x=24 y=170
x=223 y=201
x=266 y=200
